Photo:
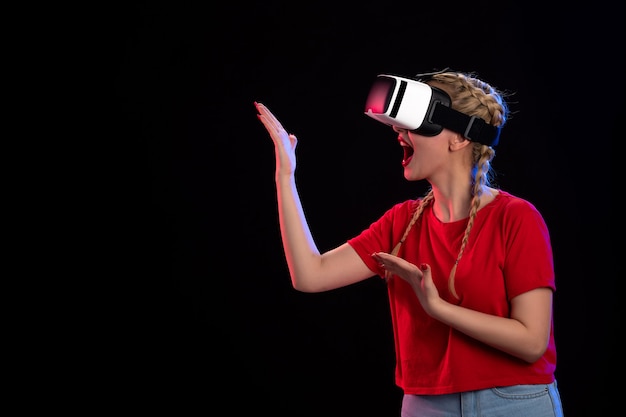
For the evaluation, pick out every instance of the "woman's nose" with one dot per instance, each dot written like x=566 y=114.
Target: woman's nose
x=399 y=129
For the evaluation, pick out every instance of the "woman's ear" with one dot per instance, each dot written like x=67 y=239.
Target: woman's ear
x=457 y=142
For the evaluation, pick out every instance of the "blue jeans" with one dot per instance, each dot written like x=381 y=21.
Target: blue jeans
x=515 y=401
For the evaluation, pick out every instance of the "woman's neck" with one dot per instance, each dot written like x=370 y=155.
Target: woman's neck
x=454 y=204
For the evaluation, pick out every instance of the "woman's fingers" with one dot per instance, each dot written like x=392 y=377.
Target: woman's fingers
x=269 y=117
x=284 y=142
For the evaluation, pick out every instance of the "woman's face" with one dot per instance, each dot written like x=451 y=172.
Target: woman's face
x=425 y=157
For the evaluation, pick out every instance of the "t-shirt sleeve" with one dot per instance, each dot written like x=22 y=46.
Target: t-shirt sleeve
x=529 y=261
x=382 y=235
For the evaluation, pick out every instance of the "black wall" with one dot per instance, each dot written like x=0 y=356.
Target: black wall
x=216 y=322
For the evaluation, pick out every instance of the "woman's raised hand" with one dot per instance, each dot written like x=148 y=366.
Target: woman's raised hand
x=284 y=143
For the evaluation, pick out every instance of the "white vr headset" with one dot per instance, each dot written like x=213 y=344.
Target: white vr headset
x=411 y=104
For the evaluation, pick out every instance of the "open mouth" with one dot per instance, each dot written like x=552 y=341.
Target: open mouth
x=408 y=152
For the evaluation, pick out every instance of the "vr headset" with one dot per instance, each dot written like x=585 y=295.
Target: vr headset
x=414 y=105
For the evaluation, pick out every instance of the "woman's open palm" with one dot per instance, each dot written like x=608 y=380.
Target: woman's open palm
x=284 y=143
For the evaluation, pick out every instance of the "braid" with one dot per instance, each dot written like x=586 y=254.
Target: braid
x=475 y=98
x=477 y=191
x=418 y=212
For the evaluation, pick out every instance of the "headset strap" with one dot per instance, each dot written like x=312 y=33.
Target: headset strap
x=471 y=127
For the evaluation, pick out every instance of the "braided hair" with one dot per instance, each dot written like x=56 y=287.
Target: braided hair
x=473 y=97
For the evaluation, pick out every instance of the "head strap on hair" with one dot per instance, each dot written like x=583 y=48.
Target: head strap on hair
x=473 y=128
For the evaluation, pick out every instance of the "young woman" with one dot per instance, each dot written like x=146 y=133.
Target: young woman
x=469 y=268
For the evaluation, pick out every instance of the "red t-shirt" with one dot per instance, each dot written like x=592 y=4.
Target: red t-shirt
x=508 y=253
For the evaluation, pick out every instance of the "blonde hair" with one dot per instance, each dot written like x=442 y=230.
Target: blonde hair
x=473 y=97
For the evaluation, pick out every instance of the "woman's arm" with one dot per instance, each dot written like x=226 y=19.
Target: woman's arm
x=310 y=271
x=525 y=334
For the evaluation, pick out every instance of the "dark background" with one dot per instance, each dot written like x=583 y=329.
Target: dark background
x=215 y=323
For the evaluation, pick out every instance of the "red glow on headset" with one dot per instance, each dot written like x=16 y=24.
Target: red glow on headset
x=380 y=95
